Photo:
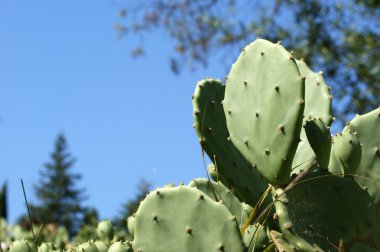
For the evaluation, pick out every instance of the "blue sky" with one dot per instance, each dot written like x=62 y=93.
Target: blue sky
x=62 y=69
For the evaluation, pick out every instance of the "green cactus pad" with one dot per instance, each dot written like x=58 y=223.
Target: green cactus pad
x=197 y=222
x=255 y=238
x=20 y=246
x=347 y=152
x=102 y=246
x=210 y=126
x=87 y=247
x=46 y=247
x=334 y=165
x=323 y=208
x=104 y=231
x=223 y=194
x=120 y=247
x=264 y=104
x=319 y=138
x=131 y=225
x=367 y=129
x=318 y=103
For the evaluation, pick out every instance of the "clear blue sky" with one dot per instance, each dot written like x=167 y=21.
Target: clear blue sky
x=62 y=69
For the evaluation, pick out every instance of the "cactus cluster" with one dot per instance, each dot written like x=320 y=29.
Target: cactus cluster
x=281 y=181
x=100 y=238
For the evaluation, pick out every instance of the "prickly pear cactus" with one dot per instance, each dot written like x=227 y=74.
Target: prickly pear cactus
x=183 y=218
x=222 y=194
x=105 y=231
x=347 y=152
x=87 y=247
x=210 y=126
x=319 y=138
x=131 y=224
x=367 y=129
x=255 y=238
x=323 y=209
x=318 y=103
x=47 y=247
x=20 y=246
x=264 y=105
x=102 y=246
x=120 y=247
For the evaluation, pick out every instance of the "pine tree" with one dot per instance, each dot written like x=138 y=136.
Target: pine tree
x=60 y=200
x=131 y=206
x=3 y=202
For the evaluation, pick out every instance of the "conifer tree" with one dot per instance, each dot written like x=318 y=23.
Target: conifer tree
x=3 y=202
x=60 y=199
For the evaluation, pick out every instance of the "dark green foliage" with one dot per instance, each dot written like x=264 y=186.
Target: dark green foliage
x=3 y=202
x=131 y=206
x=60 y=199
x=341 y=38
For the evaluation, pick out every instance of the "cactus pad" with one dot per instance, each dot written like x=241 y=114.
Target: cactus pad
x=323 y=209
x=223 y=194
x=319 y=138
x=190 y=216
x=104 y=231
x=210 y=125
x=264 y=104
x=347 y=152
x=318 y=103
x=255 y=238
x=367 y=129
